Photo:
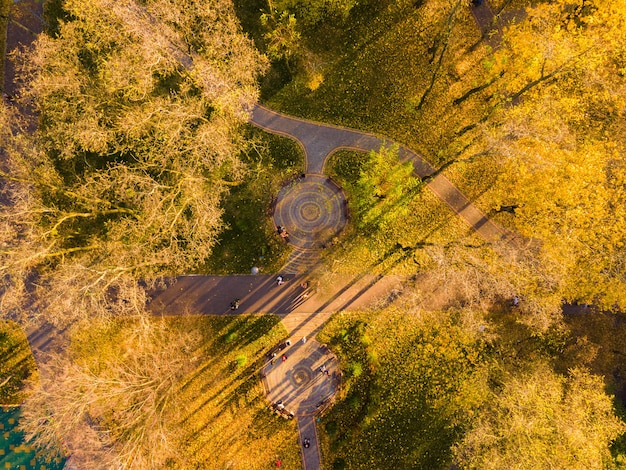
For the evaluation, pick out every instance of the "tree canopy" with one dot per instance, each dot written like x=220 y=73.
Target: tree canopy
x=114 y=407
x=558 y=136
x=383 y=190
x=543 y=420
x=140 y=112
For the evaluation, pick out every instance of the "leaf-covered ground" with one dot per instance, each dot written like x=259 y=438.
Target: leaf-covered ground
x=221 y=413
x=416 y=381
x=411 y=384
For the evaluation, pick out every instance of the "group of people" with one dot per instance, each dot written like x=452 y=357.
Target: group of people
x=282 y=231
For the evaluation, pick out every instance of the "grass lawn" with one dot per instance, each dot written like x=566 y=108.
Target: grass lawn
x=401 y=250
x=16 y=363
x=250 y=237
x=411 y=385
x=221 y=414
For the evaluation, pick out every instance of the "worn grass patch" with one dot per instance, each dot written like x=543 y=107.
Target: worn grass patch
x=16 y=363
x=221 y=414
x=249 y=238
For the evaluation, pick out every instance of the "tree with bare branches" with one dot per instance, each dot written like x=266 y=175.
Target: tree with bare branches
x=140 y=111
x=114 y=408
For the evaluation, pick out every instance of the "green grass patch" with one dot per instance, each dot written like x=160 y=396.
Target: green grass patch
x=410 y=387
x=16 y=363
x=250 y=235
x=404 y=248
x=221 y=415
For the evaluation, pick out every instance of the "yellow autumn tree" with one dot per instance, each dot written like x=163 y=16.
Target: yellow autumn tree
x=542 y=420
x=557 y=136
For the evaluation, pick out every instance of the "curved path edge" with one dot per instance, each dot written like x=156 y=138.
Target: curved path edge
x=319 y=140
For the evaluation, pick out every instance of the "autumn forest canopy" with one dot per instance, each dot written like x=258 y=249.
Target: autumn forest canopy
x=128 y=158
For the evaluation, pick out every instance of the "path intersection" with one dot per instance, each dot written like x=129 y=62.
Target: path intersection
x=302 y=376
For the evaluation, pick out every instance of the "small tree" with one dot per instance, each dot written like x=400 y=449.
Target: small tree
x=383 y=190
x=283 y=37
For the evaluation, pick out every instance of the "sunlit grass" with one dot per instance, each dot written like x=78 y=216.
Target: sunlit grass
x=411 y=384
x=430 y=222
x=220 y=413
x=226 y=419
x=16 y=363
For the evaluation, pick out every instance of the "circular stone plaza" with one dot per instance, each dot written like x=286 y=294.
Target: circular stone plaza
x=312 y=209
x=301 y=375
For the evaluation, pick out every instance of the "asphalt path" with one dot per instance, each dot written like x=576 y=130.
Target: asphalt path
x=319 y=141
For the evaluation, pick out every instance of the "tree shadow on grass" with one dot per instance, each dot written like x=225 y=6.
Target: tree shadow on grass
x=228 y=336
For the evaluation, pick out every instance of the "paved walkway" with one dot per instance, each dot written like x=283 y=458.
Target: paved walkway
x=301 y=379
x=320 y=140
x=25 y=22
x=303 y=310
x=312 y=209
x=311 y=458
x=486 y=22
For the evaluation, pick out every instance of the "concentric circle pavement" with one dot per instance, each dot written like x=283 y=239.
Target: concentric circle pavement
x=312 y=209
x=304 y=382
